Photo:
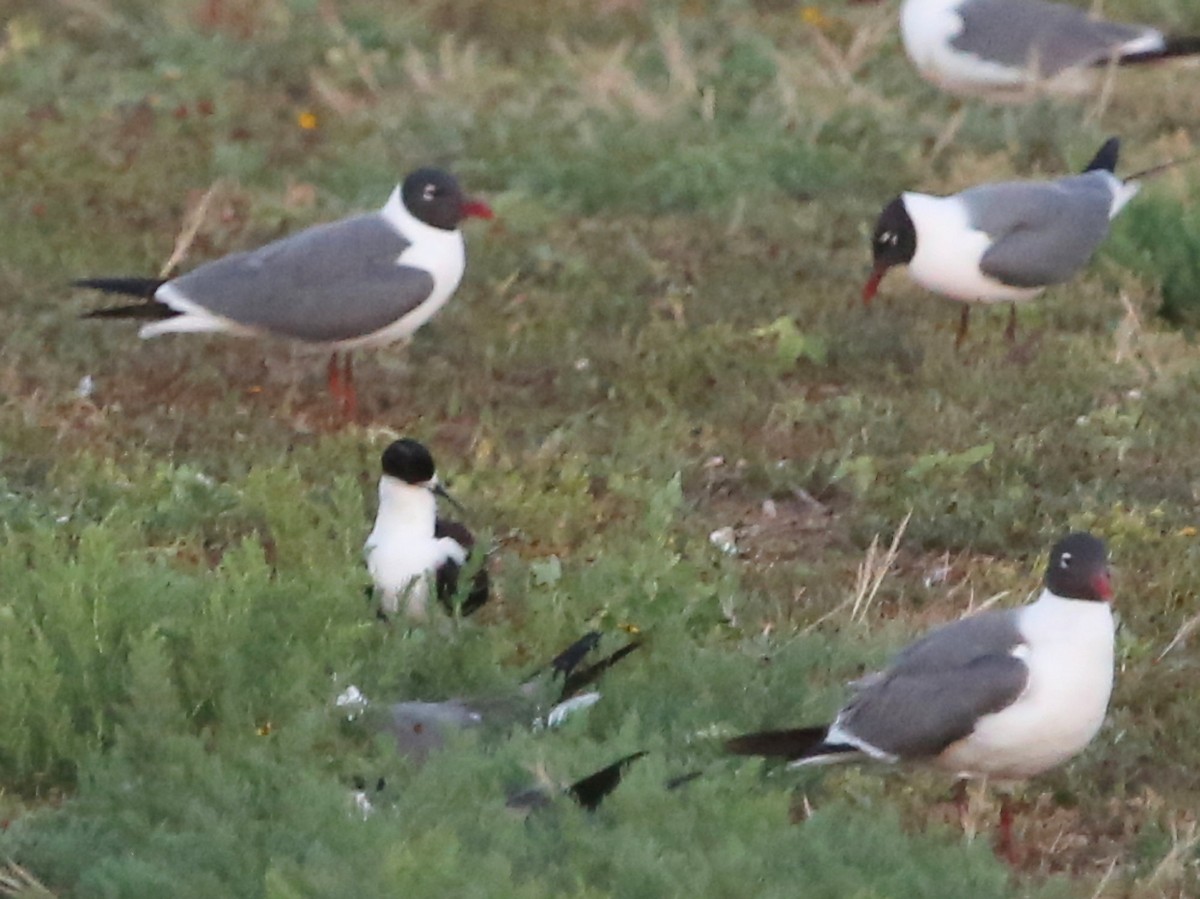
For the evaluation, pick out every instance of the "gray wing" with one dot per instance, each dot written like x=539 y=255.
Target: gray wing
x=1043 y=232
x=1046 y=38
x=422 y=728
x=327 y=283
x=939 y=687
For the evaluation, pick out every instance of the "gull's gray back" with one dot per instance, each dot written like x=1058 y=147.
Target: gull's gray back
x=937 y=688
x=1043 y=232
x=422 y=728
x=1046 y=38
x=328 y=283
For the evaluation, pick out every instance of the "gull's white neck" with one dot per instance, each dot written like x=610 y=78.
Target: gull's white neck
x=405 y=509
x=1084 y=623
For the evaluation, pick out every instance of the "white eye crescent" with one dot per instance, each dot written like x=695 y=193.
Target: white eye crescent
x=1065 y=560
x=429 y=193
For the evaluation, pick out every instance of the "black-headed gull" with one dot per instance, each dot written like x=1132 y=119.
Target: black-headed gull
x=363 y=281
x=1007 y=694
x=1001 y=242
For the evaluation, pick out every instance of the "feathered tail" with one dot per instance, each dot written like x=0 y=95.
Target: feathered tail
x=1105 y=159
x=801 y=744
x=1173 y=47
x=137 y=287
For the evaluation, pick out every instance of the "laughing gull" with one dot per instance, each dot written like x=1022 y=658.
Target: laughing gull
x=412 y=551
x=545 y=699
x=363 y=281
x=1003 y=49
x=1001 y=242
x=1007 y=693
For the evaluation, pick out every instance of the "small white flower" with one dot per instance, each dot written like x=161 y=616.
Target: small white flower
x=723 y=539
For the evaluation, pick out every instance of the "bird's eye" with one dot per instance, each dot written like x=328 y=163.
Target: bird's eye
x=1065 y=561
x=429 y=193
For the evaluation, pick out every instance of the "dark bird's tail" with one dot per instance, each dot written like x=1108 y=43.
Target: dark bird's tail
x=137 y=287
x=798 y=744
x=591 y=790
x=1105 y=159
x=575 y=678
x=1173 y=47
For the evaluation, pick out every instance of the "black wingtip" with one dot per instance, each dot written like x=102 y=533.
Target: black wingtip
x=1105 y=159
x=590 y=791
x=568 y=660
x=798 y=743
x=575 y=681
x=134 y=287
x=1173 y=47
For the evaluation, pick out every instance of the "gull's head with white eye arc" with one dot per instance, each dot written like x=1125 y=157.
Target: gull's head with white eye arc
x=894 y=242
x=1078 y=569
x=434 y=197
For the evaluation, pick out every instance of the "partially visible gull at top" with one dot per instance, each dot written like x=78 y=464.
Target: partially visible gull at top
x=1012 y=50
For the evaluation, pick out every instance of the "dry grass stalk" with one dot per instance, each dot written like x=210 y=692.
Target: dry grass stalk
x=873 y=570
x=191 y=227
x=18 y=881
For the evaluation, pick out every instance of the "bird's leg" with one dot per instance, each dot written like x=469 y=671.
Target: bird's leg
x=1010 y=333
x=1004 y=842
x=341 y=386
x=963 y=322
x=334 y=374
x=350 y=399
x=962 y=802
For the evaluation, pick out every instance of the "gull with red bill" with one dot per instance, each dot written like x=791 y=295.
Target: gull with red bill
x=1001 y=242
x=364 y=281
x=1003 y=693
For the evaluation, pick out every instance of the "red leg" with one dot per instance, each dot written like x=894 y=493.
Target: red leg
x=334 y=374
x=1004 y=844
x=350 y=399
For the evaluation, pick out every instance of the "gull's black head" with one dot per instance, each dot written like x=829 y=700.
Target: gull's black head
x=893 y=243
x=408 y=461
x=1078 y=569
x=434 y=197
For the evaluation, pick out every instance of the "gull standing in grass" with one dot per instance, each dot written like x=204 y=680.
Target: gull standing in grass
x=368 y=280
x=412 y=553
x=1007 y=694
x=1001 y=242
x=1008 y=49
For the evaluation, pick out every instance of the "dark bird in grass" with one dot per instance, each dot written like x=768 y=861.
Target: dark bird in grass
x=364 y=281
x=412 y=553
x=545 y=698
x=1006 y=694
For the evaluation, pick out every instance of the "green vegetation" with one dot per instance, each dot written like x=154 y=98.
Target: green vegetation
x=659 y=337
